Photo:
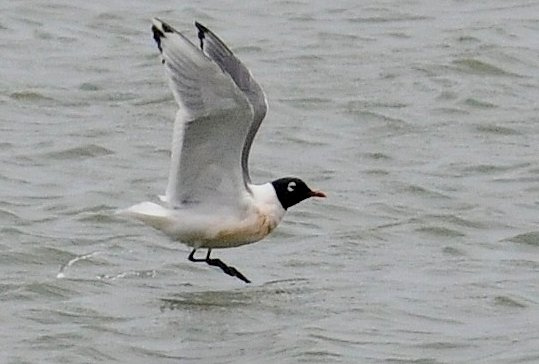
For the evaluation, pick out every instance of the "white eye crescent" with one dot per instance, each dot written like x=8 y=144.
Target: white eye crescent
x=290 y=187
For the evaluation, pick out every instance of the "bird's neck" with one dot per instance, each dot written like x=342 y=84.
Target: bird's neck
x=265 y=198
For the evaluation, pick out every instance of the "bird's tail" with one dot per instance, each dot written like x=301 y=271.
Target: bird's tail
x=149 y=213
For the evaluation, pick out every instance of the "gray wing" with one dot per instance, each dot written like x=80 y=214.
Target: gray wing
x=219 y=52
x=210 y=127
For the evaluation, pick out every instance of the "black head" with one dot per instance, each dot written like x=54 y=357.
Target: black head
x=291 y=190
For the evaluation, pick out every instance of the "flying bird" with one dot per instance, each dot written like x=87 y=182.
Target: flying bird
x=210 y=202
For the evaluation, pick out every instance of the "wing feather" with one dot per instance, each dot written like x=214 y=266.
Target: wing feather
x=213 y=121
x=217 y=50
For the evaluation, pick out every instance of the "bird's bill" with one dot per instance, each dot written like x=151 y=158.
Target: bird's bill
x=317 y=193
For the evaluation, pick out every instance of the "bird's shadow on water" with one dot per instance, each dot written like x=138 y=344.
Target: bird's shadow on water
x=238 y=297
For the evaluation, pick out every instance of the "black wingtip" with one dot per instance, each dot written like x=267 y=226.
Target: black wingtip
x=167 y=28
x=159 y=31
x=201 y=27
x=157 y=35
x=201 y=30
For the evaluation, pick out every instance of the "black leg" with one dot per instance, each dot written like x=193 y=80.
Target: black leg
x=231 y=271
x=193 y=259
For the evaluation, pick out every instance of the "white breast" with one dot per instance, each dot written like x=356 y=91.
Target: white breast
x=264 y=213
x=265 y=199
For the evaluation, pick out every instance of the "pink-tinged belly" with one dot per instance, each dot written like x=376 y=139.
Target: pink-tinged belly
x=245 y=233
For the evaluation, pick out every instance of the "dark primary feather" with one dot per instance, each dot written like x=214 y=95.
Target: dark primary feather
x=216 y=49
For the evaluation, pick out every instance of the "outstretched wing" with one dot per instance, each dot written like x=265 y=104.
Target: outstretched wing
x=229 y=63
x=211 y=125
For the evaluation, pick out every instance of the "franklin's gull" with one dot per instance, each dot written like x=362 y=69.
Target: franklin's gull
x=210 y=201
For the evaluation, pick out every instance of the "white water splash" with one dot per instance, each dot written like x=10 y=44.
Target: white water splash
x=146 y=273
x=61 y=273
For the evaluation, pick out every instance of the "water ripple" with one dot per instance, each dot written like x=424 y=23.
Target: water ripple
x=80 y=152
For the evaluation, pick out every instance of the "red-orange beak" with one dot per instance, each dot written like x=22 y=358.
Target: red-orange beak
x=316 y=193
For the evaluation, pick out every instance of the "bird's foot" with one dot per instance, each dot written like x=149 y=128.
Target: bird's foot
x=231 y=271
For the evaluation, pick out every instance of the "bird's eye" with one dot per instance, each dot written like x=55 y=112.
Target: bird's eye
x=290 y=187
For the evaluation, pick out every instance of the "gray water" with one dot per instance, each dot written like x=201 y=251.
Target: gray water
x=418 y=118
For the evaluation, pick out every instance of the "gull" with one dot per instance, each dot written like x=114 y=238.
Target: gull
x=210 y=202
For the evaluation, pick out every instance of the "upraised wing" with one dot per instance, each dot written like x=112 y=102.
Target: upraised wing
x=217 y=50
x=211 y=126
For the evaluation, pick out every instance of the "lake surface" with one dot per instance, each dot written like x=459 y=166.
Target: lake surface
x=418 y=118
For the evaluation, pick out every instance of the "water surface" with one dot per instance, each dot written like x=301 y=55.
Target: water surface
x=419 y=119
